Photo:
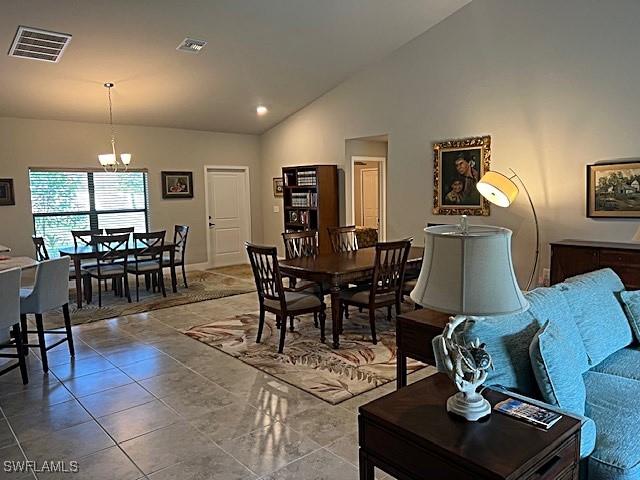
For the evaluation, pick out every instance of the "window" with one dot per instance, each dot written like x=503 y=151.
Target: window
x=62 y=201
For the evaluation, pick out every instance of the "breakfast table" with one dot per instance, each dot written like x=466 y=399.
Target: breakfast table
x=7 y=263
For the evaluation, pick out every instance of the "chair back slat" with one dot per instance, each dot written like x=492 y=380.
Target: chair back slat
x=389 y=266
x=300 y=244
x=83 y=238
x=111 y=249
x=343 y=239
x=149 y=246
x=41 y=249
x=266 y=271
x=180 y=234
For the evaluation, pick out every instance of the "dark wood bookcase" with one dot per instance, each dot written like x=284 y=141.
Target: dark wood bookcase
x=311 y=200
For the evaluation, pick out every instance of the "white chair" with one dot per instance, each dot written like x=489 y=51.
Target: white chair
x=50 y=291
x=10 y=336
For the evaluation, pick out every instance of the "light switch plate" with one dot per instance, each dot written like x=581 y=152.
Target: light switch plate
x=276 y=209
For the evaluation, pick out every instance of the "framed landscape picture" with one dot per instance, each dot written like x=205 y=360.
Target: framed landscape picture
x=7 y=196
x=613 y=190
x=457 y=167
x=278 y=189
x=177 y=184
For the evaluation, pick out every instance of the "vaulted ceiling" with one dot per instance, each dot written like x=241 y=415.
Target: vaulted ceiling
x=280 y=53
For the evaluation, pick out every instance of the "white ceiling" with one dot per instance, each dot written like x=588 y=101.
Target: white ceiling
x=281 y=53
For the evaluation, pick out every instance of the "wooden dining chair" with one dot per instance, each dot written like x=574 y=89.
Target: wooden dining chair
x=343 y=239
x=386 y=287
x=111 y=262
x=10 y=334
x=147 y=259
x=118 y=231
x=180 y=233
x=274 y=299
x=82 y=238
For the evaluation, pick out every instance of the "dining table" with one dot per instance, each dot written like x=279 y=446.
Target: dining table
x=23 y=263
x=86 y=252
x=338 y=270
x=4 y=249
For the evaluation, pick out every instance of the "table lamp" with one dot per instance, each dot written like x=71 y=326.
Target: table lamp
x=467 y=271
x=502 y=191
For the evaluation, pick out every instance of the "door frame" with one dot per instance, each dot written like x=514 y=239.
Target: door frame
x=213 y=168
x=382 y=179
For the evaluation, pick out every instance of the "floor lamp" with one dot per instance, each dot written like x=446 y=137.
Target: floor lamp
x=502 y=191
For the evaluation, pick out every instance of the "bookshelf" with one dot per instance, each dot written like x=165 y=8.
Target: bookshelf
x=311 y=200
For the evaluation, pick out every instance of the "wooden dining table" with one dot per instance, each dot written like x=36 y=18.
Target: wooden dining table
x=338 y=270
x=7 y=263
x=85 y=252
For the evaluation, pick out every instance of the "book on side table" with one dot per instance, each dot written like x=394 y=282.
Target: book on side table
x=540 y=417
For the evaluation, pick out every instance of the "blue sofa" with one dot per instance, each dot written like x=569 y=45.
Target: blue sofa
x=574 y=351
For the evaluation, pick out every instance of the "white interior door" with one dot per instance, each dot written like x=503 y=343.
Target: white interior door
x=370 y=197
x=229 y=216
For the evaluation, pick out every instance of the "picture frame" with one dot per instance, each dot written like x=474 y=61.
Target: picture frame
x=613 y=190
x=458 y=165
x=7 y=194
x=177 y=184
x=278 y=187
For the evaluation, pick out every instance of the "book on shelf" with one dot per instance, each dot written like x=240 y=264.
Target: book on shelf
x=538 y=416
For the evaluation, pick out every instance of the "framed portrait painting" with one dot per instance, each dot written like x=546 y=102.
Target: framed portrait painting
x=177 y=184
x=7 y=196
x=278 y=188
x=457 y=167
x=613 y=190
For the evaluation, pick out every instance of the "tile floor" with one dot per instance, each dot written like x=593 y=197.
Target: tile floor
x=140 y=400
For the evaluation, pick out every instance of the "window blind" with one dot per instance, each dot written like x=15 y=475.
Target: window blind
x=62 y=201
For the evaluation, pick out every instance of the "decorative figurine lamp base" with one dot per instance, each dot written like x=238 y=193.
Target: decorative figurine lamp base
x=467 y=271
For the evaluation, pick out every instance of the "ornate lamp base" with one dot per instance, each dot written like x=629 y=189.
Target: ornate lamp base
x=471 y=407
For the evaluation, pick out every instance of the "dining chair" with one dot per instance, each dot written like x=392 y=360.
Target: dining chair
x=43 y=254
x=10 y=335
x=386 y=287
x=180 y=233
x=147 y=257
x=118 y=231
x=82 y=238
x=111 y=262
x=50 y=291
x=274 y=299
x=343 y=239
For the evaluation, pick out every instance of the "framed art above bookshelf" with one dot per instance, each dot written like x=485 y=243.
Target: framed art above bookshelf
x=311 y=200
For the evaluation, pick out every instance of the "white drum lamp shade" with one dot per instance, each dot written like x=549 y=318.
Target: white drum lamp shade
x=468 y=273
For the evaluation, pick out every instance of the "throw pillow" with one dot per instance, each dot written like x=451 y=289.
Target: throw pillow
x=631 y=304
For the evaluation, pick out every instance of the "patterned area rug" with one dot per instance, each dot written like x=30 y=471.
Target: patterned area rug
x=331 y=375
x=203 y=285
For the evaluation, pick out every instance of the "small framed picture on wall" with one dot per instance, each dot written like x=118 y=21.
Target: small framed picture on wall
x=177 y=184
x=7 y=196
x=278 y=188
x=613 y=190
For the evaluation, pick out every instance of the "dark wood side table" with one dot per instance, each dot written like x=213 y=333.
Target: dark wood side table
x=414 y=333
x=409 y=435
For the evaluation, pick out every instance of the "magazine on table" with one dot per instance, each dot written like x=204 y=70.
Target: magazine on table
x=538 y=416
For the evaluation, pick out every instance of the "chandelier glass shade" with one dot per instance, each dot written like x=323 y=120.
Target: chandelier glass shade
x=112 y=162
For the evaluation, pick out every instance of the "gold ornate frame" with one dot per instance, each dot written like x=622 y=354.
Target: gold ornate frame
x=484 y=142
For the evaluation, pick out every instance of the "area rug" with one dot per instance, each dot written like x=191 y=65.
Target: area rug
x=203 y=285
x=331 y=375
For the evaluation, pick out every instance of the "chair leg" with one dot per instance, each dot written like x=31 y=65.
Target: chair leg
x=20 y=351
x=24 y=333
x=291 y=327
x=127 y=292
x=147 y=281
x=137 y=288
x=162 y=287
x=184 y=276
x=100 y=292
x=388 y=313
x=398 y=307
x=323 y=317
x=315 y=319
x=260 y=324
x=67 y=326
x=41 y=343
x=346 y=311
x=88 y=289
x=372 y=323
x=283 y=332
x=360 y=309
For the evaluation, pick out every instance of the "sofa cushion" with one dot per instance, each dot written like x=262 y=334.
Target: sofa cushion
x=611 y=404
x=556 y=365
x=623 y=363
x=507 y=339
x=597 y=313
x=631 y=304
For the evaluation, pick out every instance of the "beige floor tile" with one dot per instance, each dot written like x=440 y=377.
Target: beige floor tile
x=80 y=367
x=214 y=465
x=97 y=382
x=6 y=435
x=136 y=421
x=152 y=367
x=346 y=448
x=180 y=381
x=231 y=422
x=108 y=464
x=323 y=424
x=189 y=405
x=26 y=400
x=116 y=399
x=319 y=465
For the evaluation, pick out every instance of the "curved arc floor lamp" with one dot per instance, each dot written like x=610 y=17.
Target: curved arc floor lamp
x=501 y=190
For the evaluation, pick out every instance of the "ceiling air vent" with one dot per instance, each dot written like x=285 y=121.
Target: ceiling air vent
x=39 y=44
x=191 y=45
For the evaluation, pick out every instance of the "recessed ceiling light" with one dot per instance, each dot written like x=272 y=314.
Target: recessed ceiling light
x=191 y=45
x=261 y=110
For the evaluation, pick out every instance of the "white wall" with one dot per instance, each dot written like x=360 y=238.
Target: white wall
x=42 y=143
x=555 y=83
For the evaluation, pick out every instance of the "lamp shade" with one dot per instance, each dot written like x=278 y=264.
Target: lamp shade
x=468 y=273
x=497 y=188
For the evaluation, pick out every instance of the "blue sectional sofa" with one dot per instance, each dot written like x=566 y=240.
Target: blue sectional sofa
x=576 y=350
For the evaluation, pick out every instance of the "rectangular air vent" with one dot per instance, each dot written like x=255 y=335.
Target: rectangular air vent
x=38 y=44
x=191 y=45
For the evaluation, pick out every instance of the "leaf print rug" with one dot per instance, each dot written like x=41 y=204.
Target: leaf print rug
x=331 y=375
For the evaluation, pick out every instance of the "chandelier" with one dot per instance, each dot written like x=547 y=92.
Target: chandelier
x=110 y=161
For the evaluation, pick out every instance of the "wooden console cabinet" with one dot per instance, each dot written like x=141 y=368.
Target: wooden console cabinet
x=573 y=257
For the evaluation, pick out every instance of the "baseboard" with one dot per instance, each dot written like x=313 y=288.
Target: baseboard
x=197 y=266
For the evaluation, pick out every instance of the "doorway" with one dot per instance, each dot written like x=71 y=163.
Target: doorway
x=368 y=193
x=228 y=211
